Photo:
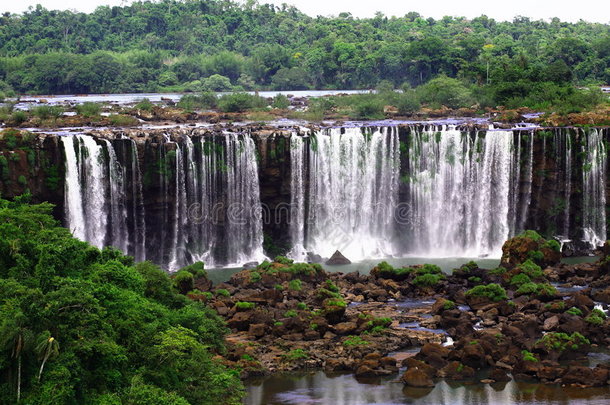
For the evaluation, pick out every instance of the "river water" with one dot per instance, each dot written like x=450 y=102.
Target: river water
x=318 y=388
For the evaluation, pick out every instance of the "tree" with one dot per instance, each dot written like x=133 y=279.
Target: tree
x=47 y=347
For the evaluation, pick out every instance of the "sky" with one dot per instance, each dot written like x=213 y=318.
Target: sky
x=573 y=10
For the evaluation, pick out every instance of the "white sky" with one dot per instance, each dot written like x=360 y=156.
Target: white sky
x=566 y=10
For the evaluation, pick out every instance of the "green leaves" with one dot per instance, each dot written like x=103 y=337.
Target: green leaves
x=84 y=325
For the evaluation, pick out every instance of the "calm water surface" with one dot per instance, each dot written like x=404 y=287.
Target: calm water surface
x=317 y=388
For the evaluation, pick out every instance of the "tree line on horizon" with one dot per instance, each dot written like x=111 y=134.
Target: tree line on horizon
x=221 y=45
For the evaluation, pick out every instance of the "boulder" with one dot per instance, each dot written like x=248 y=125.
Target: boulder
x=456 y=371
x=414 y=377
x=499 y=375
x=345 y=328
x=412 y=363
x=337 y=259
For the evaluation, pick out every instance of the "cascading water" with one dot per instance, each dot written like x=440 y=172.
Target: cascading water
x=86 y=192
x=297 y=198
x=209 y=208
x=459 y=191
x=352 y=192
x=594 y=188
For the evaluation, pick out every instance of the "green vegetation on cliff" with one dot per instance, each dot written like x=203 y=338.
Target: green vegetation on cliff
x=84 y=326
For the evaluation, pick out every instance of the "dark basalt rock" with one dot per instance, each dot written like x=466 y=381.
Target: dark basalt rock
x=337 y=259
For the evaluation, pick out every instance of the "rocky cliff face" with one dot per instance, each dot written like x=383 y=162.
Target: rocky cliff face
x=552 y=171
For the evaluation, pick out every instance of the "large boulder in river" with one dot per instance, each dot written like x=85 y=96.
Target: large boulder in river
x=337 y=258
x=530 y=245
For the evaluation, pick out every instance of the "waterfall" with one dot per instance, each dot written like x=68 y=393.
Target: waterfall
x=206 y=204
x=86 y=192
x=459 y=188
x=594 y=188
x=297 y=198
x=118 y=208
x=73 y=201
x=352 y=194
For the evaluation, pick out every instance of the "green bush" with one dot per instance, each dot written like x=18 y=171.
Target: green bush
x=240 y=102
x=531 y=269
x=89 y=109
x=493 y=291
x=145 y=105
x=18 y=117
x=408 y=103
x=445 y=91
x=449 y=305
x=223 y=293
x=291 y=313
x=529 y=356
x=121 y=120
x=45 y=112
x=553 y=245
x=245 y=305
x=283 y=260
x=559 y=341
x=281 y=102
x=295 y=285
x=427 y=280
x=574 y=311
x=184 y=281
x=520 y=279
x=296 y=354
x=255 y=277
x=355 y=341
x=204 y=100
x=543 y=289
x=533 y=235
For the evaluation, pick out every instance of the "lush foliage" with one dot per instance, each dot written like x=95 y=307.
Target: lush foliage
x=493 y=291
x=220 y=45
x=80 y=325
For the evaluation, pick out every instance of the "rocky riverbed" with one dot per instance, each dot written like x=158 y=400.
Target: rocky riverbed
x=532 y=319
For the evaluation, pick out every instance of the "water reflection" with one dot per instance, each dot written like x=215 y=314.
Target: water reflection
x=317 y=388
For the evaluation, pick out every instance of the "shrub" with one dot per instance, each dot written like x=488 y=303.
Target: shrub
x=448 y=305
x=283 y=260
x=574 y=311
x=536 y=289
x=255 y=277
x=216 y=82
x=533 y=235
x=559 y=341
x=197 y=269
x=295 y=285
x=302 y=306
x=553 y=245
x=191 y=102
x=291 y=313
x=335 y=303
x=122 y=120
x=529 y=356
x=18 y=117
x=145 y=105
x=531 y=269
x=89 y=109
x=493 y=291
x=223 y=293
x=240 y=102
x=295 y=354
x=47 y=111
x=408 y=103
x=184 y=281
x=595 y=319
x=245 y=305
x=367 y=108
x=520 y=279
x=445 y=91
x=427 y=280
x=355 y=341
x=281 y=102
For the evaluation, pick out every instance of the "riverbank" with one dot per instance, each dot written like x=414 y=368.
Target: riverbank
x=532 y=319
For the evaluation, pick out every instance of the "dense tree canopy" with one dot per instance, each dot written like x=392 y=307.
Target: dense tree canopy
x=84 y=326
x=179 y=44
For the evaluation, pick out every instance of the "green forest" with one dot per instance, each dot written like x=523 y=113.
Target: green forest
x=84 y=326
x=219 y=45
